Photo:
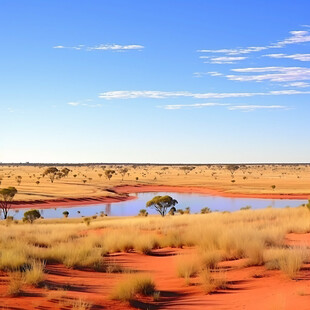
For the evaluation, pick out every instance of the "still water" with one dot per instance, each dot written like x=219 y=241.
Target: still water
x=193 y=200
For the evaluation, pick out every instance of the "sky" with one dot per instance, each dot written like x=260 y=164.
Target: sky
x=157 y=81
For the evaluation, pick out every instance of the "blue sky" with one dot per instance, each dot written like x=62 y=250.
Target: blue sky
x=165 y=81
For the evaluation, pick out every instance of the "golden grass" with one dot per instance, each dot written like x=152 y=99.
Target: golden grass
x=35 y=274
x=16 y=284
x=212 y=282
x=256 y=235
x=187 y=267
x=287 y=260
x=135 y=284
x=253 y=179
x=81 y=304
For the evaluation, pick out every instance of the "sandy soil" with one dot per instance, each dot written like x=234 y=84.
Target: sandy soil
x=252 y=288
x=89 y=182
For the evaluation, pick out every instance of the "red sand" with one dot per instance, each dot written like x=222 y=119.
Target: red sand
x=271 y=290
x=67 y=202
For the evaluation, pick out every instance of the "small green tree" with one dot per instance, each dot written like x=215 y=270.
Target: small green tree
x=205 y=210
x=109 y=173
x=232 y=168
x=51 y=172
x=6 y=197
x=187 y=169
x=246 y=208
x=273 y=187
x=65 y=213
x=143 y=212
x=31 y=215
x=161 y=204
x=123 y=172
x=18 y=179
x=65 y=171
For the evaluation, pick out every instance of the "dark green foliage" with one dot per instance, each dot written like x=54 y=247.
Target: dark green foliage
x=109 y=173
x=205 y=210
x=31 y=215
x=6 y=197
x=143 y=212
x=51 y=172
x=161 y=204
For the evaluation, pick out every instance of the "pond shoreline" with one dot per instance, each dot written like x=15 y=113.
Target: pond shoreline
x=125 y=190
x=204 y=190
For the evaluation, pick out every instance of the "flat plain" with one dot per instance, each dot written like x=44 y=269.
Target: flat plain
x=247 y=259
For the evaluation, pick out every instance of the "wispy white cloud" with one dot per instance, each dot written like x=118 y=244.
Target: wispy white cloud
x=104 y=47
x=235 y=51
x=298 y=84
x=273 y=74
x=295 y=38
x=222 y=60
x=195 y=105
x=73 y=103
x=243 y=108
x=76 y=103
x=128 y=94
x=201 y=74
x=123 y=94
x=249 y=108
x=301 y=57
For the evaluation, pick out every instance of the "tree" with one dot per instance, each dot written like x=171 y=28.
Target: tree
x=187 y=169
x=161 y=204
x=172 y=211
x=232 y=168
x=65 y=213
x=31 y=215
x=205 y=210
x=51 y=173
x=143 y=212
x=273 y=187
x=18 y=179
x=65 y=171
x=6 y=197
x=109 y=173
x=123 y=172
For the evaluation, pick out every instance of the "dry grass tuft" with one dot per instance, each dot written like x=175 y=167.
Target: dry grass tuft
x=16 y=283
x=136 y=284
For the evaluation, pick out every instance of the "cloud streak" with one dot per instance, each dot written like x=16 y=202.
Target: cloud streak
x=222 y=60
x=301 y=57
x=128 y=94
x=103 y=47
x=296 y=37
x=195 y=105
x=231 y=107
x=249 y=108
x=76 y=103
x=273 y=74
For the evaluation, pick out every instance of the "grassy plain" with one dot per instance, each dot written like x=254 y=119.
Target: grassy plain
x=159 y=263
x=90 y=181
x=248 y=259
